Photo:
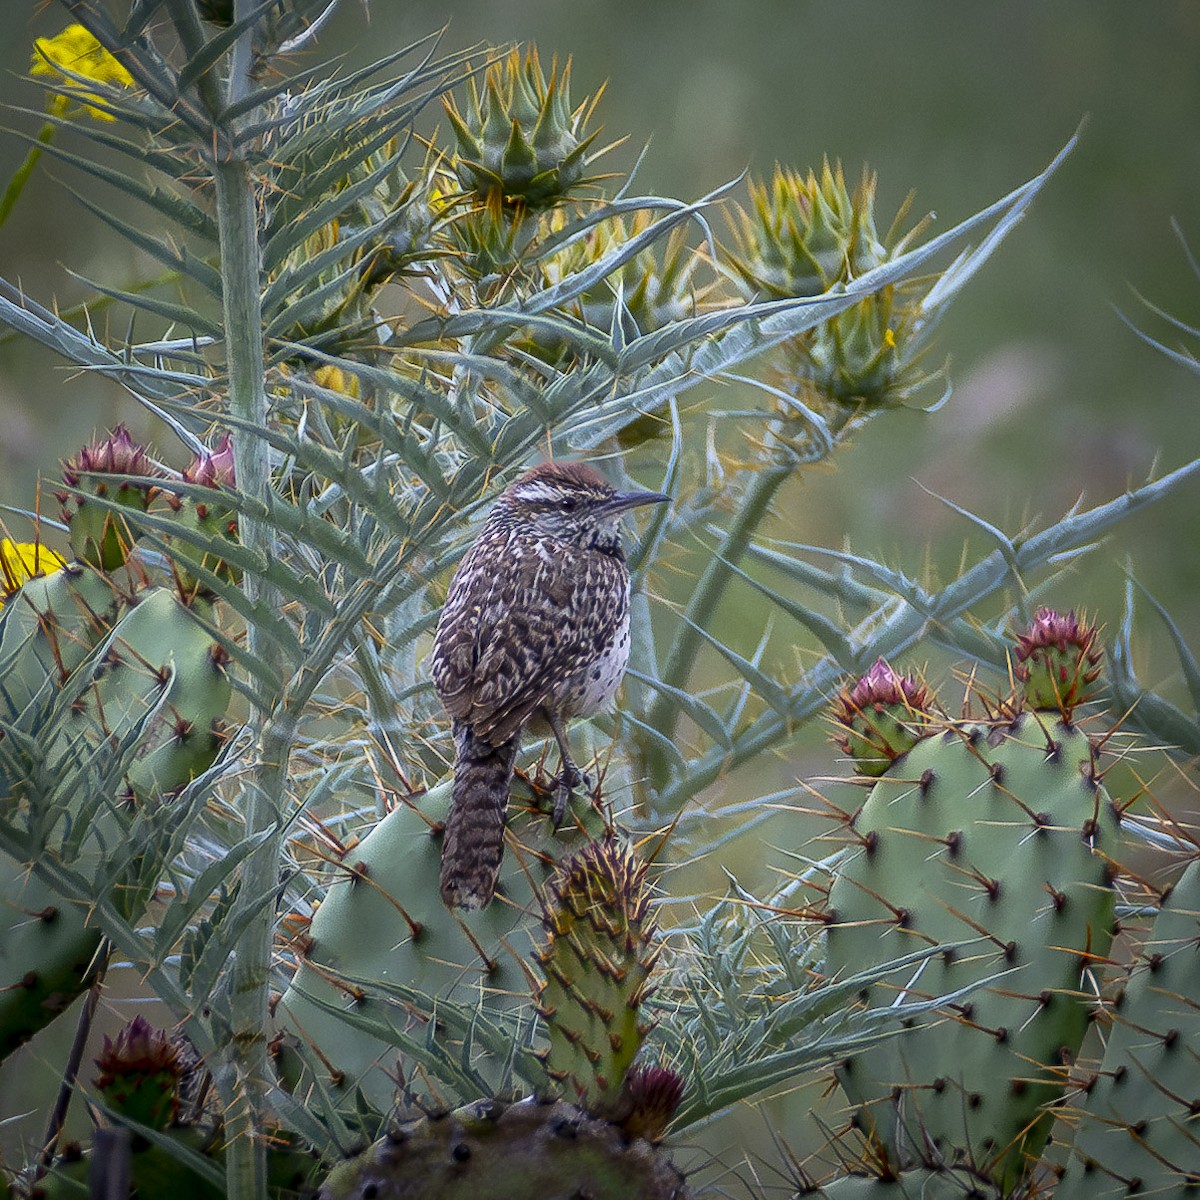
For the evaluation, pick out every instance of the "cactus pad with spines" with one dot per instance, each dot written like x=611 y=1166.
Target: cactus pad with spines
x=383 y=919
x=1138 y=1121
x=597 y=959
x=995 y=834
x=551 y=1151
x=922 y=1183
x=154 y=688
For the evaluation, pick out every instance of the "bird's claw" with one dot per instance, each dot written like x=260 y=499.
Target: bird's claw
x=565 y=783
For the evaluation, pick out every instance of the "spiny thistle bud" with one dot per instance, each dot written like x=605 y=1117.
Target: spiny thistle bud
x=139 y=1074
x=881 y=717
x=1058 y=660
x=657 y=285
x=652 y=1093
x=98 y=535
x=521 y=139
x=481 y=242
x=21 y=561
x=802 y=234
x=806 y=235
x=597 y=959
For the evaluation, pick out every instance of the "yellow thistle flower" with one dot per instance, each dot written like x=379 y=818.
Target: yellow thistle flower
x=20 y=561
x=335 y=379
x=77 y=51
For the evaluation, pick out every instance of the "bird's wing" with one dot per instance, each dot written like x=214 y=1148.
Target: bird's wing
x=521 y=620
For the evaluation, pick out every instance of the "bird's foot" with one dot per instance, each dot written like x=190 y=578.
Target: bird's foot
x=565 y=783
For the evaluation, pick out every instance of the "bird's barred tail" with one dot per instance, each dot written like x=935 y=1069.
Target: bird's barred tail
x=474 y=841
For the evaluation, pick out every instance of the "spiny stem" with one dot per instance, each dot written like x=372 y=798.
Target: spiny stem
x=247 y=1075
x=664 y=712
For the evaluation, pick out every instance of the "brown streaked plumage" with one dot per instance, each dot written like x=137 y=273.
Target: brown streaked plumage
x=535 y=627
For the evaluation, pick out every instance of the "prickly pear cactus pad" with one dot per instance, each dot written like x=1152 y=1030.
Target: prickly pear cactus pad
x=922 y=1183
x=46 y=630
x=383 y=919
x=598 y=957
x=1139 y=1117
x=156 y=686
x=552 y=1151
x=48 y=954
x=994 y=835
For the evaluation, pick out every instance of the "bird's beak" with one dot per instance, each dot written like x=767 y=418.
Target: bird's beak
x=626 y=500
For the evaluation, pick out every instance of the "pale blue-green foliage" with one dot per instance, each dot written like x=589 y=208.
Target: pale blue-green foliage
x=265 y=189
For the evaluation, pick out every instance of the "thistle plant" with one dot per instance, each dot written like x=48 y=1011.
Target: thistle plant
x=224 y=769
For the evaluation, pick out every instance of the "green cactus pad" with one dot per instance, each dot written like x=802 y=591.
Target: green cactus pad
x=549 y=1151
x=1139 y=1120
x=157 y=686
x=383 y=918
x=47 y=955
x=46 y=631
x=156 y=1173
x=923 y=1183
x=597 y=958
x=995 y=835
x=159 y=657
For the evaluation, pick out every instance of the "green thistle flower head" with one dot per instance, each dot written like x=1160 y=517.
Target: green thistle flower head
x=810 y=235
x=520 y=138
x=657 y=285
x=804 y=233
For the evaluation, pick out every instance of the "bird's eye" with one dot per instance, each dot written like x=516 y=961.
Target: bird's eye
x=567 y=502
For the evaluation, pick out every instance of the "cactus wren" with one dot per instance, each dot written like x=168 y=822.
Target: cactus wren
x=535 y=631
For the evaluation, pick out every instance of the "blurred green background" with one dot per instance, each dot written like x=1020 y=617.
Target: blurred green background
x=1054 y=397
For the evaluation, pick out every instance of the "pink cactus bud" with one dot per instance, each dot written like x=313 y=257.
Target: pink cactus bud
x=117 y=454
x=1058 y=661
x=881 y=716
x=140 y=1072
x=213 y=469
x=655 y=1093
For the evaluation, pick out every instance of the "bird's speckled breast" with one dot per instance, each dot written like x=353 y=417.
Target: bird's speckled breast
x=592 y=689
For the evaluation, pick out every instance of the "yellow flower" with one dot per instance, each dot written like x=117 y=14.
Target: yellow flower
x=77 y=51
x=334 y=379
x=20 y=561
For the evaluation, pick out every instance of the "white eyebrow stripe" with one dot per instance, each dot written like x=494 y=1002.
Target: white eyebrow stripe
x=537 y=492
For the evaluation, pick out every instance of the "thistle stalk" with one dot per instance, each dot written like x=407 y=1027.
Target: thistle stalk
x=664 y=712
x=245 y=1089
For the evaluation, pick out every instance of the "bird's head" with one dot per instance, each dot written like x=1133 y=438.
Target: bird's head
x=572 y=502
